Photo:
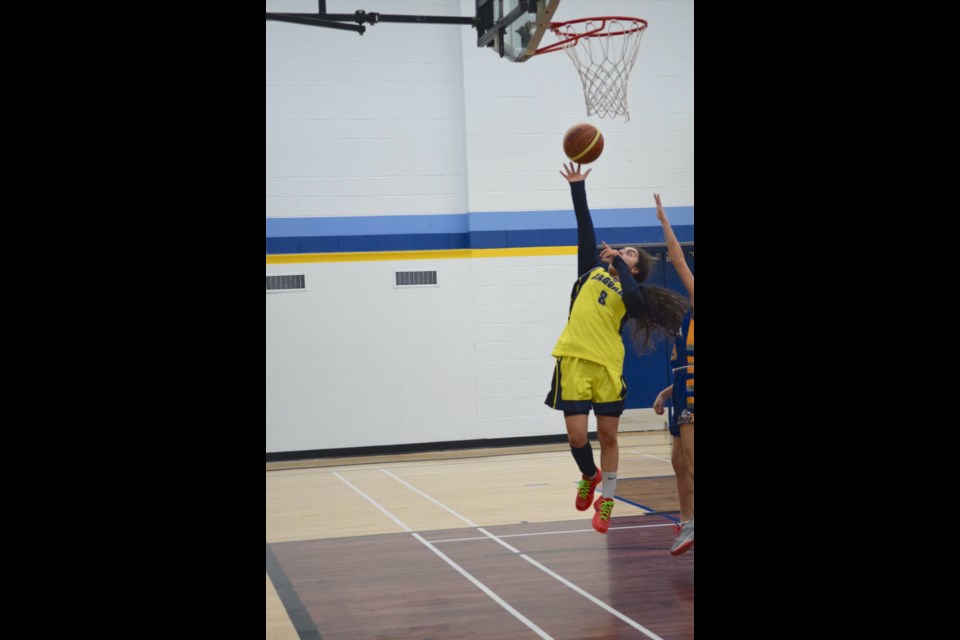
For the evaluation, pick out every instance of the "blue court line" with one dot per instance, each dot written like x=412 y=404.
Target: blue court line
x=644 y=507
x=653 y=512
x=636 y=504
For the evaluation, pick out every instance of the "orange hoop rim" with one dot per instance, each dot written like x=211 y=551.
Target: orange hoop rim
x=595 y=33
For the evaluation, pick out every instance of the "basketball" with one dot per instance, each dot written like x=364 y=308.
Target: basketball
x=583 y=143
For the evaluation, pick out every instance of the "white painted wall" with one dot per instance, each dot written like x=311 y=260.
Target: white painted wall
x=354 y=361
x=516 y=115
x=366 y=124
x=415 y=119
x=520 y=309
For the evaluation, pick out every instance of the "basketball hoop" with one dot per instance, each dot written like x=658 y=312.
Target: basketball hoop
x=608 y=49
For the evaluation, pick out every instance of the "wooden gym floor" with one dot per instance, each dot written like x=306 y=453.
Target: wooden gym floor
x=474 y=544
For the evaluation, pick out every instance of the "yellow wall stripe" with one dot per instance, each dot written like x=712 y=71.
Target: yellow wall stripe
x=441 y=254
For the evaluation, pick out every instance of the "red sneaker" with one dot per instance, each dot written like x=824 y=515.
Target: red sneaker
x=601 y=519
x=585 y=491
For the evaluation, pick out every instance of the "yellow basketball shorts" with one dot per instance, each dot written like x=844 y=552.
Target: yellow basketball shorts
x=581 y=384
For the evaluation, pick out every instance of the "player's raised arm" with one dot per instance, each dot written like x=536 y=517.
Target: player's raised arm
x=586 y=236
x=674 y=249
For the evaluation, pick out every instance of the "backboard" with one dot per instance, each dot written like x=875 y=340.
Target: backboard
x=514 y=28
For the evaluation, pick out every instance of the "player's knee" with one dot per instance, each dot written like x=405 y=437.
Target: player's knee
x=607 y=439
x=678 y=459
x=577 y=440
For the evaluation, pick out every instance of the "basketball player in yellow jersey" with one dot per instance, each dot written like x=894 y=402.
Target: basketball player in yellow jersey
x=589 y=353
x=682 y=393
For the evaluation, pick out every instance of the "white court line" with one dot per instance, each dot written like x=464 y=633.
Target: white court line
x=442 y=462
x=636 y=625
x=469 y=522
x=519 y=616
x=555 y=533
x=440 y=504
x=417 y=464
x=437 y=469
x=657 y=457
x=600 y=603
x=540 y=632
x=373 y=502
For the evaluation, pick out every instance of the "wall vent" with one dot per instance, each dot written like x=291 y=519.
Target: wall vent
x=415 y=279
x=287 y=282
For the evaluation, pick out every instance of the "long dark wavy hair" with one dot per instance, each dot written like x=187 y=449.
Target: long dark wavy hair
x=662 y=312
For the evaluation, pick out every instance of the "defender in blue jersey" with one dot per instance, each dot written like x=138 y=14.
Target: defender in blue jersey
x=589 y=372
x=681 y=393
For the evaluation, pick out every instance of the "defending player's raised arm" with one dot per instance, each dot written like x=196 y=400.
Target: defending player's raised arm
x=586 y=236
x=674 y=249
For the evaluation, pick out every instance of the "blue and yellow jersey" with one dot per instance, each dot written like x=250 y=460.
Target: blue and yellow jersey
x=682 y=362
x=597 y=316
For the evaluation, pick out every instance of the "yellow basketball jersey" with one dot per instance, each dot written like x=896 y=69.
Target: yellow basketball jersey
x=597 y=315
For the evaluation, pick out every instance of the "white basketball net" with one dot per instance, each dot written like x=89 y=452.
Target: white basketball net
x=604 y=60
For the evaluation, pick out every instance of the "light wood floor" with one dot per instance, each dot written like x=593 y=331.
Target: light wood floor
x=458 y=515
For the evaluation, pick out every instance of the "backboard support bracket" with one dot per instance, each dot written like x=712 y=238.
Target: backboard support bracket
x=499 y=27
x=339 y=20
x=512 y=28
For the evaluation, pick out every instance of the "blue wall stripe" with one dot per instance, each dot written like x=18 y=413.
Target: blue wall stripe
x=489 y=230
x=424 y=242
x=462 y=223
x=568 y=237
x=477 y=240
x=565 y=219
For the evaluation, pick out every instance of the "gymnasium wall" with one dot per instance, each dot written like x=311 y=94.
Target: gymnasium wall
x=410 y=149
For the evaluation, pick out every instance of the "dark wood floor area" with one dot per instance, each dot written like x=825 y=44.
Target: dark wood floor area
x=417 y=547
x=656 y=494
x=394 y=586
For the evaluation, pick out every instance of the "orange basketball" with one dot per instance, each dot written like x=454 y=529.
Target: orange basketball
x=583 y=143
